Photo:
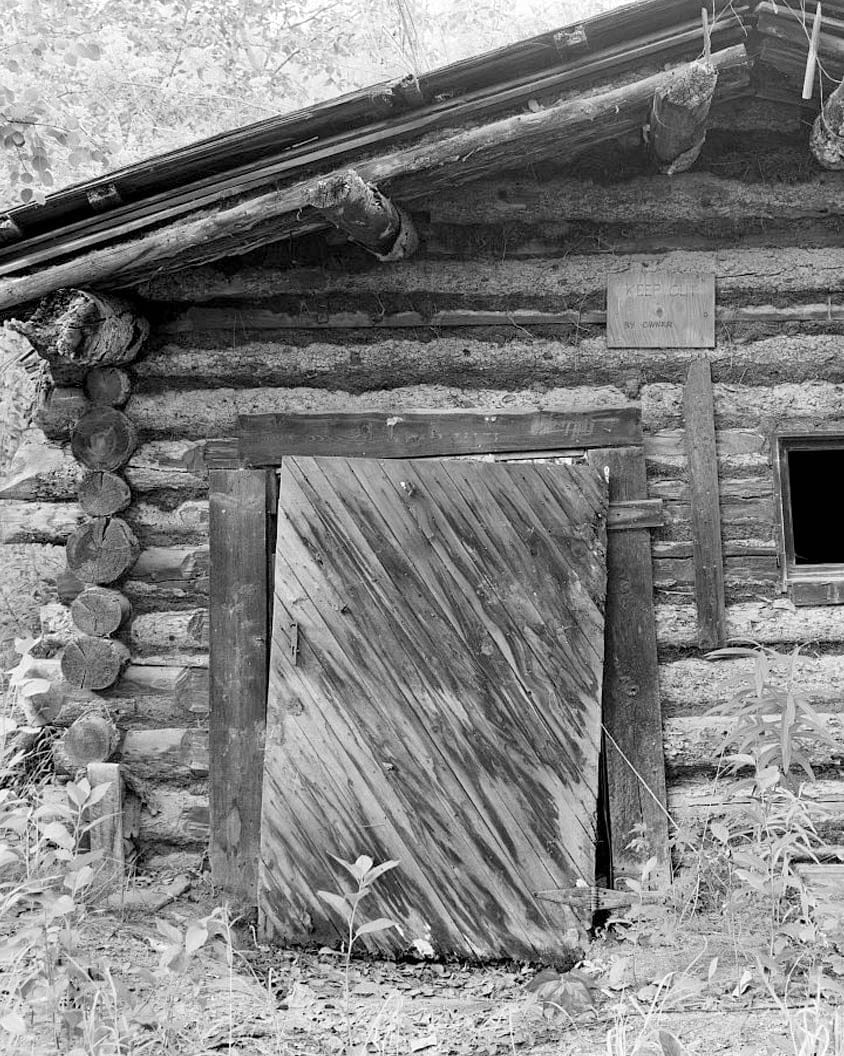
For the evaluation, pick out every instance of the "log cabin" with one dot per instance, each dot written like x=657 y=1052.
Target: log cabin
x=400 y=461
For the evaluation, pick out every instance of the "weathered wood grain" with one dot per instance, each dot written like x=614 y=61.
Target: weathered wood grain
x=427 y=615
x=770 y=622
x=238 y=674
x=105 y=824
x=631 y=704
x=264 y=439
x=699 y=418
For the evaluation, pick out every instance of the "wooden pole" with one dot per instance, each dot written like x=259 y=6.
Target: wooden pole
x=812 y=58
x=367 y=216
x=679 y=112
x=699 y=415
x=827 y=139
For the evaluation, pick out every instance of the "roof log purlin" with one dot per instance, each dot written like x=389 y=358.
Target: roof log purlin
x=366 y=216
x=441 y=161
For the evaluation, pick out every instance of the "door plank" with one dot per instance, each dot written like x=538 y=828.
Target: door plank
x=407 y=724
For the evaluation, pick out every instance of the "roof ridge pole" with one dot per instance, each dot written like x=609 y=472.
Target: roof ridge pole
x=367 y=216
x=679 y=112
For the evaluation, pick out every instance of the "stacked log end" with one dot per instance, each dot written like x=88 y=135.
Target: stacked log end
x=90 y=338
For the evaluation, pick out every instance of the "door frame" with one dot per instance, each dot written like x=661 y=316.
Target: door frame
x=243 y=493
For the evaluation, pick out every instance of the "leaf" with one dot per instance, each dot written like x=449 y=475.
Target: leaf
x=56 y=833
x=350 y=867
x=720 y=831
x=379 y=870
x=60 y=907
x=362 y=866
x=195 y=937
x=670 y=1044
x=97 y=793
x=338 y=903
x=33 y=686
x=169 y=932
x=373 y=926
x=13 y=1023
x=713 y=968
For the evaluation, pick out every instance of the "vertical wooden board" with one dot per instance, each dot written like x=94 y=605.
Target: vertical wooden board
x=433 y=698
x=632 y=712
x=699 y=414
x=106 y=823
x=238 y=674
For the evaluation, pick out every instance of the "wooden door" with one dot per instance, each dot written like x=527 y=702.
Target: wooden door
x=434 y=696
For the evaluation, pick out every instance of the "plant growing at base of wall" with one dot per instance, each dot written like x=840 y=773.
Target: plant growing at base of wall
x=364 y=872
x=765 y=825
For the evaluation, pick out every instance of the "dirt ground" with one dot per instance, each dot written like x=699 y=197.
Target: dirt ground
x=685 y=980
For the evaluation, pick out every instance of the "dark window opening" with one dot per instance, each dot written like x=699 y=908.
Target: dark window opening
x=815 y=483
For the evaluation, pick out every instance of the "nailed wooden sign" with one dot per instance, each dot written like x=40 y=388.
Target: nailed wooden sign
x=660 y=309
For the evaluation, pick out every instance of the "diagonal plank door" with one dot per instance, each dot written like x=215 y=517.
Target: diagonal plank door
x=434 y=697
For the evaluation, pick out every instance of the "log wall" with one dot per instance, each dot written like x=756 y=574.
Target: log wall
x=257 y=336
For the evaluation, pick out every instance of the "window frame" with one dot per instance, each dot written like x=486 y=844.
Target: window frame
x=805 y=584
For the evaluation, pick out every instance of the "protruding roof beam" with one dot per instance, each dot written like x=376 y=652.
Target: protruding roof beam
x=363 y=213
x=827 y=141
x=679 y=112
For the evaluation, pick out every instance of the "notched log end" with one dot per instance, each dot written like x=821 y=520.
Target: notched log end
x=827 y=139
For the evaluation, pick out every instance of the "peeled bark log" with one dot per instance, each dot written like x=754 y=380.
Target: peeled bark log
x=94 y=663
x=81 y=327
x=102 y=494
x=61 y=410
x=678 y=117
x=100 y=612
x=166 y=756
x=827 y=141
x=103 y=439
x=108 y=385
x=91 y=739
x=102 y=550
x=364 y=214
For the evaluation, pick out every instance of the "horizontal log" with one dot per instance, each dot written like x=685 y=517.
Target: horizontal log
x=173 y=818
x=42 y=469
x=694 y=800
x=744 y=576
x=702 y=744
x=169 y=636
x=145 y=696
x=252 y=318
x=510 y=359
x=670 y=443
x=676 y=489
x=690 y=686
x=744 y=276
x=692 y=197
x=743 y=406
x=165 y=756
x=54 y=522
x=776 y=622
